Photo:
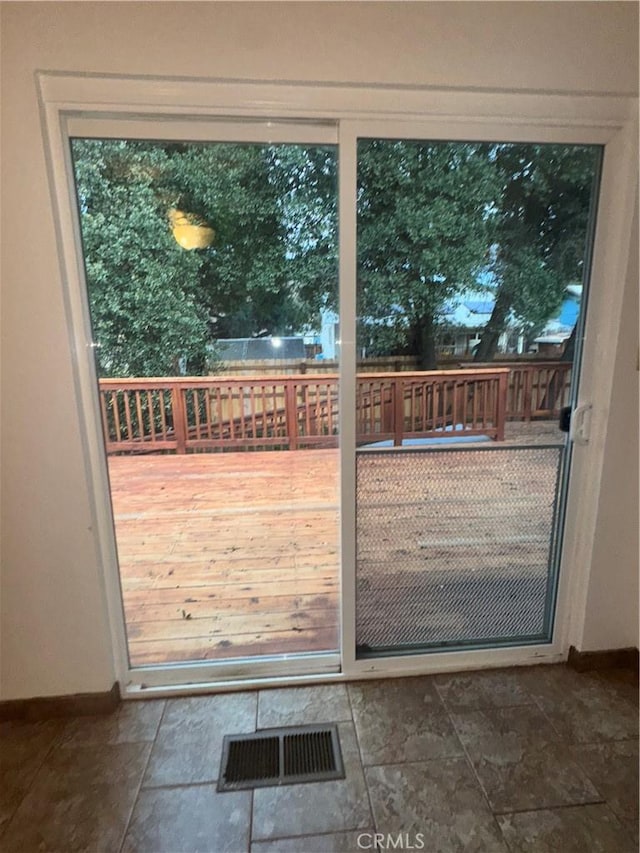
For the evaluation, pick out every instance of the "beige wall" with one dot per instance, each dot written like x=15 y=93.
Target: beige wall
x=55 y=636
x=612 y=605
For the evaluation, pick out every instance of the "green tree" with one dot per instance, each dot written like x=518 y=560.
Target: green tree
x=424 y=231
x=306 y=181
x=243 y=277
x=154 y=304
x=143 y=287
x=540 y=233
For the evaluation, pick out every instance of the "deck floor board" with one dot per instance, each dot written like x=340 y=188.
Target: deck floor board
x=228 y=555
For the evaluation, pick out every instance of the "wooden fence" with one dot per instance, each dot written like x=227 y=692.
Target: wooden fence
x=291 y=412
x=376 y=364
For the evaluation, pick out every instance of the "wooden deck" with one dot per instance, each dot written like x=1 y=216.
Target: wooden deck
x=233 y=554
x=227 y=554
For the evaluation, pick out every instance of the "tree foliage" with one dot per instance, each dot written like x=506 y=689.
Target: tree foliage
x=145 y=310
x=154 y=305
x=432 y=216
x=424 y=231
x=541 y=230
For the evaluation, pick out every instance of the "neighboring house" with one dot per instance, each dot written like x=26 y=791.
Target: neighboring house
x=467 y=316
x=465 y=319
x=558 y=330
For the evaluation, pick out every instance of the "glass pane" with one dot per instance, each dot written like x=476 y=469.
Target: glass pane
x=212 y=280
x=472 y=263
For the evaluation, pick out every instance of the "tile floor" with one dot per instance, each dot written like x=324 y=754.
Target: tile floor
x=539 y=759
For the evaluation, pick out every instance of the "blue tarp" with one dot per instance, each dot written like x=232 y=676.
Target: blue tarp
x=421 y=442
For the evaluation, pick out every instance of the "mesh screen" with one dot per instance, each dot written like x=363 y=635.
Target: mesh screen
x=453 y=546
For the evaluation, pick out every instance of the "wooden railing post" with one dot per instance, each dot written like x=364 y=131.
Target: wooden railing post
x=527 y=395
x=501 y=405
x=290 y=414
x=398 y=410
x=179 y=412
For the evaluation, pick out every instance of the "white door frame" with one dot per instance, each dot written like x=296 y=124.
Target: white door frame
x=187 y=107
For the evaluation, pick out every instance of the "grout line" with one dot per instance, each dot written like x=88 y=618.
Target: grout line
x=362 y=764
x=200 y=783
x=474 y=772
x=325 y=834
x=556 y=807
x=250 y=838
x=55 y=744
x=476 y=708
x=494 y=814
x=252 y=797
x=447 y=757
x=561 y=737
x=142 y=777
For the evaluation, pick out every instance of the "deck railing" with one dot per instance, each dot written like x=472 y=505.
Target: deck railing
x=538 y=391
x=292 y=412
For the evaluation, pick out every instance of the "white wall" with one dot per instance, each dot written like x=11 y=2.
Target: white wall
x=54 y=631
x=612 y=604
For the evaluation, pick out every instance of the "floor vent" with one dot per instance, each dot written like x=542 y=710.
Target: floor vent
x=286 y=756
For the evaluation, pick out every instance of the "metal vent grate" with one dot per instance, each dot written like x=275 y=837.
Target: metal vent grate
x=280 y=757
x=253 y=758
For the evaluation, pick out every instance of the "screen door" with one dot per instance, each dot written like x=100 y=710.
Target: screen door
x=472 y=267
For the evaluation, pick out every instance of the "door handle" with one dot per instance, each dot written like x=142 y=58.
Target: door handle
x=580 y=424
x=577 y=422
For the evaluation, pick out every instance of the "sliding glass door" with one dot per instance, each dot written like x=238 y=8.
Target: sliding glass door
x=472 y=266
x=328 y=448
x=212 y=287
x=212 y=282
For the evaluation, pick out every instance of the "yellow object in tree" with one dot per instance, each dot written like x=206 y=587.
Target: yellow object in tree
x=190 y=231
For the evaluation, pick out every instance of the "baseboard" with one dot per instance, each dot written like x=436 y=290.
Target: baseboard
x=606 y=659
x=77 y=705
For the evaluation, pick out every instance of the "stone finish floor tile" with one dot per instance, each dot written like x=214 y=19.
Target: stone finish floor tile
x=438 y=804
x=592 y=828
x=81 y=799
x=294 y=706
x=633 y=826
x=194 y=819
x=401 y=719
x=133 y=722
x=470 y=691
x=538 y=738
x=333 y=842
x=582 y=706
x=613 y=769
x=623 y=681
x=23 y=749
x=316 y=807
x=520 y=760
x=188 y=746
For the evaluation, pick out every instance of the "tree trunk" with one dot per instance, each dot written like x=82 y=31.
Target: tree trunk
x=494 y=328
x=424 y=343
